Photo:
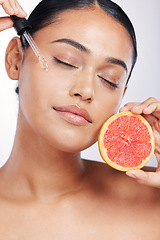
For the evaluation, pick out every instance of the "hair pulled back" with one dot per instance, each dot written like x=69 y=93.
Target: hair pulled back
x=47 y=11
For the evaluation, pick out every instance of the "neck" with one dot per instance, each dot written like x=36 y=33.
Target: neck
x=42 y=170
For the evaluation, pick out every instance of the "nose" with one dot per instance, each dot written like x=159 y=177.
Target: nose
x=83 y=87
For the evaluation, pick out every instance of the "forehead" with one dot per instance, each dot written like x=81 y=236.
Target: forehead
x=93 y=28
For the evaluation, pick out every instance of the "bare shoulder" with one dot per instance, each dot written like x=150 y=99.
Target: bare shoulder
x=123 y=203
x=117 y=183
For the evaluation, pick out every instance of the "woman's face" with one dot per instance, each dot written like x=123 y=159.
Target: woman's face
x=89 y=56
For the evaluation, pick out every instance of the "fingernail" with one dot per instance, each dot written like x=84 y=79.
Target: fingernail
x=131 y=175
x=22 y=11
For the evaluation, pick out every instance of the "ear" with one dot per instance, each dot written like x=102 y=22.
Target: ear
x=13 y=58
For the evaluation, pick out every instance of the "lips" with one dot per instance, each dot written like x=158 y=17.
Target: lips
x=74 y=114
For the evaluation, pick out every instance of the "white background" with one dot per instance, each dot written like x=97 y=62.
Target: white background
x=143 y=84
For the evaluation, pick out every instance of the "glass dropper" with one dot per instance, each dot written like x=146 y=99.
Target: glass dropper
x=35 y=49
x=22 y=28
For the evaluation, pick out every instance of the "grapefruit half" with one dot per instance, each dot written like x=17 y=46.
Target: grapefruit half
x=126 y=141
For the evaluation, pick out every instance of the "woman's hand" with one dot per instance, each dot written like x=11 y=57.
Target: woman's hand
x=150 y=109
x=11 y=7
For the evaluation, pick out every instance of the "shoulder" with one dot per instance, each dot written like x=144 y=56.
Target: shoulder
x=118 y=184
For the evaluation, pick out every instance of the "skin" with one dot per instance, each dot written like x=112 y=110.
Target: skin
x=11 y=7
x=46 y=190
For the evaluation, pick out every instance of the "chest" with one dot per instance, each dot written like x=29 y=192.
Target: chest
x=118 y=223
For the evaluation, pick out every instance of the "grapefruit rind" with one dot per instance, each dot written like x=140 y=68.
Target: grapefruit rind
x=102 y=148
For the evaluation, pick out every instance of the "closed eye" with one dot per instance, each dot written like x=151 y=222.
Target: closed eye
x=114 y=85
x=64 y=63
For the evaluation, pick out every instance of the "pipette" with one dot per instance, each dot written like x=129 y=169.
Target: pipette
x=22 y=28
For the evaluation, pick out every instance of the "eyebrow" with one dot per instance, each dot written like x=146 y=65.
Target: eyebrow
x=86 y=50
x=117 y=62
x=73 y=43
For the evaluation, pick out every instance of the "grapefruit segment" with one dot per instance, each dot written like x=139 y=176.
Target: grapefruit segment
x=139 y=130
x=126 y=141
x=120 y=126
x=110 y=139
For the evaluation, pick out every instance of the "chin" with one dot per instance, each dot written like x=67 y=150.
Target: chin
x=65 y=137
x=78 y=146
x=70 y=144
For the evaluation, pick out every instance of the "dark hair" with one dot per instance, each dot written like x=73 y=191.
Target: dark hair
x=46 y=12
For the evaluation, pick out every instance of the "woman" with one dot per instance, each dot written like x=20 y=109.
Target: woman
x=46 y=190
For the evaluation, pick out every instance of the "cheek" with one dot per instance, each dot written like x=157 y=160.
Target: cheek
x=39 y=91
x=33 y=100
x=108 y=104
x=38 y=86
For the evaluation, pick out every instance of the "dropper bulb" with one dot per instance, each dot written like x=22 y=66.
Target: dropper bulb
x=20 y=24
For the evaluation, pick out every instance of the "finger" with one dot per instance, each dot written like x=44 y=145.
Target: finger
x=20 y=10
x=128 y=106
x=146 y=178
x=5 y=23
x=7 y=7
x=12 y=4
x=12 y=7
x=153 y=108
x=148 y=107
x=145 y=107
x=151 y=119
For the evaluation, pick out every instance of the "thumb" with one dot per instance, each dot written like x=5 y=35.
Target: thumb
x=147 y=178
x=5 y=23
